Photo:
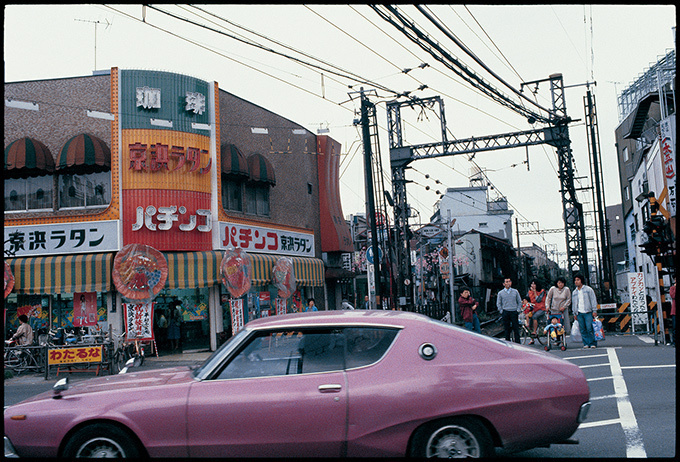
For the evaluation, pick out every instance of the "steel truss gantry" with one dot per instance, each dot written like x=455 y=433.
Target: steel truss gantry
x=556 y=134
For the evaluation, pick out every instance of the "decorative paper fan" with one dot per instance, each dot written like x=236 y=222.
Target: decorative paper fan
x=9 y=280
x=235 y=269
x=283 y=277
x=139 y=272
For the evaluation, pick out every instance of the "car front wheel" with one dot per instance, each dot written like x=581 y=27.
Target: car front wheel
x=453 y=438
x=101 y=441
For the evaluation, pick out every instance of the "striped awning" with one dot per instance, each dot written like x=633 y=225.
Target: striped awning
x=27 y=157
x=261 y=169
x=84 y=154
x=234 y=163
x=188 y=270
x=62 y=273
x=309 y=272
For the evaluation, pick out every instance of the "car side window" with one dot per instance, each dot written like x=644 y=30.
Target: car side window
x=291 y=352
x=366 y=345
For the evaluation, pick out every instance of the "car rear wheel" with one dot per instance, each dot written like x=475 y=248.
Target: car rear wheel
x=101 y=441
x=453 y=438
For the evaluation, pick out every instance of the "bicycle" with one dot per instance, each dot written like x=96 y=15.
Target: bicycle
x=125 y=351
x=24 y=358
x=525 y=334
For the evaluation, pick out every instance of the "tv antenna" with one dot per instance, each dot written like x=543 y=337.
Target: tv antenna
x=95 y=35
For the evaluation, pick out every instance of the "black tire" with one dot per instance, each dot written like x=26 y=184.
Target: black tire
x=101 y=440
x=456 y=437
x=118 y=361
x=524 y=336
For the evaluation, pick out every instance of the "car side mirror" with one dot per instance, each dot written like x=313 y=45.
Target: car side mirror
x=61 y=385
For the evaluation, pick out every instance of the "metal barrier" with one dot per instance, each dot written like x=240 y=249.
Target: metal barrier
x=621 y=322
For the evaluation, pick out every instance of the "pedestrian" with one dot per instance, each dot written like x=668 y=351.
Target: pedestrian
x=584 y=304
x=162 y=327
x=367 y=304
x=311 y=306
x=24 y=334
x=174 y=330
x=468 y=310
x=346 y=305
x=674 y=330
x=509 y=305
x=536 y=297
x=558 y=301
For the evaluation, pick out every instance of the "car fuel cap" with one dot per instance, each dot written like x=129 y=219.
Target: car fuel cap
x=427 y=351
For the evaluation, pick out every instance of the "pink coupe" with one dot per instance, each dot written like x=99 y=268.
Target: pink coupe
x=324 y=384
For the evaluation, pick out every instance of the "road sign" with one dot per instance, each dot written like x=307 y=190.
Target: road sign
x=369 y=254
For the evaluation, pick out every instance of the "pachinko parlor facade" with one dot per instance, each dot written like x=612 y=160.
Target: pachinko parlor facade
x=126 y=190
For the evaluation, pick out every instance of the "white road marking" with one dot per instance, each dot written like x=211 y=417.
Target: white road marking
x=599 y=423
x=599 y=378
x=634 y=444
x=648 y=367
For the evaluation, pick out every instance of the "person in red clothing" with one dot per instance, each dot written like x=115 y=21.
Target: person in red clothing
x=468 y=310
x=536 y=297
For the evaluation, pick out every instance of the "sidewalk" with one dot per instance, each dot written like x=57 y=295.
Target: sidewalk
x=186 y=358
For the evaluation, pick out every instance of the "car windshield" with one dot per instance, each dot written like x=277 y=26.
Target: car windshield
x=219 y=354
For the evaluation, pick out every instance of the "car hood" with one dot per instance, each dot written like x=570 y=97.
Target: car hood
x=131 y=380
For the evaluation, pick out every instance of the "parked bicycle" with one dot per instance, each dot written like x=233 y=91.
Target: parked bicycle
x=24 y=358
x=126 y=350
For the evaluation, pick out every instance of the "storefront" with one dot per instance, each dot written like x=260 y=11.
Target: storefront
x=172 y=162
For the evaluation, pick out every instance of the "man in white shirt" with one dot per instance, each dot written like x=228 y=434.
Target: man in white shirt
x=584 y=304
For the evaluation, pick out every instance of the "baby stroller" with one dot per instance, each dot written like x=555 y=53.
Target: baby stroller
x=555 y=336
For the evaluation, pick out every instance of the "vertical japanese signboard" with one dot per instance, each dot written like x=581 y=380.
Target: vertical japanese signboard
x=166 y=160
x=236 y=305
x=84 y=309
x=638 y=299
x=139 y=321
x=668 y=159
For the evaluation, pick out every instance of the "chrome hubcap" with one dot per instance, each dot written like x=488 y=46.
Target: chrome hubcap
x=452 y=441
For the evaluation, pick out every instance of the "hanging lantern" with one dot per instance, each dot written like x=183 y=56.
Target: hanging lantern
x=283 y=277
x=235 y=269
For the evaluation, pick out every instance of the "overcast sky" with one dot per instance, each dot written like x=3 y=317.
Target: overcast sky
x=610 y=45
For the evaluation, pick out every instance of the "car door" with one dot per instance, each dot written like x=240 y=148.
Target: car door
x=283 y=394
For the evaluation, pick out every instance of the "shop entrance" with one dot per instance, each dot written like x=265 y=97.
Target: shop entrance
x=181 y=320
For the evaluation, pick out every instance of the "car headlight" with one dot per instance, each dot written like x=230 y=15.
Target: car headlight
x=10 y=452
x=583 y=412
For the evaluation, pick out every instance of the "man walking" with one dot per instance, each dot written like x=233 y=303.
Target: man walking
x=509 y=305
x=584 y=304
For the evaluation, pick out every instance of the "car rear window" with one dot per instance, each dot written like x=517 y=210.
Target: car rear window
x=366 y=345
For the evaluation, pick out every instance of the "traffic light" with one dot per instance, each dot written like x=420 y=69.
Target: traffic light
x=659 y=236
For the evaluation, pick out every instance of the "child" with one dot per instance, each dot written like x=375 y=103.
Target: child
x=527 y=309
x=555 y=327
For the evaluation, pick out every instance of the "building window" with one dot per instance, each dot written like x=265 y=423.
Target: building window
x=626 y=193
x=483 y=225
x=23 y=194
x=257 y=199
x=84 y=191
x=232 y=195
x=626 y=155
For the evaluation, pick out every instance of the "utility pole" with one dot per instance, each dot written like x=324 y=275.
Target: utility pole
x=366 y=109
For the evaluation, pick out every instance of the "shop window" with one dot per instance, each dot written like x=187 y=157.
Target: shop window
x=84 y=191
x=23 y=194
x=257 y=199
x=232 y=195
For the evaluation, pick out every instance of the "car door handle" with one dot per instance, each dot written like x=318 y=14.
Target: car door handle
x=330 y=388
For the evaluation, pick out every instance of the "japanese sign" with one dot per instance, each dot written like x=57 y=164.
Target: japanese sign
x=84 y=309
x=638 y=297
x=266 y=240
x=280 y=306
x=74 y=355
x=138 y=321
x=156 y=157
x=61 y=238
x=236 y=305
x=168 y=215
x=668 y=159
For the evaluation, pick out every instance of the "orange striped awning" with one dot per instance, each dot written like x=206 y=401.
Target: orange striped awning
x=62 y=273
x=27 y=157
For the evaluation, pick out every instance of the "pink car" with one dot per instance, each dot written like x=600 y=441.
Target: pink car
x=324 y=384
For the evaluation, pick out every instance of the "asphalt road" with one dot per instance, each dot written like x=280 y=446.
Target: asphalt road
x=632 y=390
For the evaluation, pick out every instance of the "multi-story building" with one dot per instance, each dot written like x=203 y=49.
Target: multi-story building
x=95 y=163
x=645 y=142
